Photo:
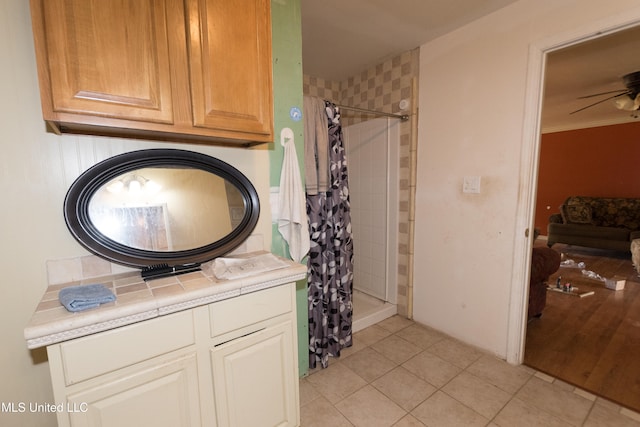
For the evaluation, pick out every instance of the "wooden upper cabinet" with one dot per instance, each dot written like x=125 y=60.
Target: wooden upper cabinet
x=180 y=70
x=230 y=52
x=109 y=58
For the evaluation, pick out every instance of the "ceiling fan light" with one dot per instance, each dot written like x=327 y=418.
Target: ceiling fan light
x=625 y=103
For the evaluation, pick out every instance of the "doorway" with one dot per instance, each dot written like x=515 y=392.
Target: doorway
x=575 y=158
x=372 y=150
x=532 y=128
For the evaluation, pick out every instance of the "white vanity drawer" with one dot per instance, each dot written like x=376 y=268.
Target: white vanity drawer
x=235 y=313
x=104 y=352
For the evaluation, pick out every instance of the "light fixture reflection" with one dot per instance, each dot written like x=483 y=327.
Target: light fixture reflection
x=134 y=185
x=115 y=186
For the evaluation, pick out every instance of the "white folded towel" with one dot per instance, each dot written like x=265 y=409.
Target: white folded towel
x=238 y=268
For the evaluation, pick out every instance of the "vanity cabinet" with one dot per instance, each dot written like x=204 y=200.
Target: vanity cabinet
x=251 y=360
x=159 y=393
x=253 y=383
x=181 y=70
x=229 y=363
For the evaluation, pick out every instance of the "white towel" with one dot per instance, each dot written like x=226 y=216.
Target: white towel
x=316 y=145
x=292 y=221
x=238 y=268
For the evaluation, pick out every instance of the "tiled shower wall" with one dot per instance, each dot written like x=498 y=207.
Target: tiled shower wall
x=381 y=88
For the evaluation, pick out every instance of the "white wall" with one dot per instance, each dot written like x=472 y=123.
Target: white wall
x=36 y=168
x=476 y=118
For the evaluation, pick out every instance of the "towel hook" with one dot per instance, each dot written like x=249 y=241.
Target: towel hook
x=286 y=134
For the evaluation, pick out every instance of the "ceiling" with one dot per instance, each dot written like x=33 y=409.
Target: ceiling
x=342 y=38
x=587 y=68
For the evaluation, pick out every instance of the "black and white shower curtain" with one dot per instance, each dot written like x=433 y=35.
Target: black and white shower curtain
x=330 y=269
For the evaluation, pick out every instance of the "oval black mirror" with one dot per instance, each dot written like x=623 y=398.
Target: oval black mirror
x=161 y=207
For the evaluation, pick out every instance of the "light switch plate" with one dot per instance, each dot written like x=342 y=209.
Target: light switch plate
x=471 y=184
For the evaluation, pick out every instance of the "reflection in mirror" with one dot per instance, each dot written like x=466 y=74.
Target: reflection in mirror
x=166 y=208
x=161 y=207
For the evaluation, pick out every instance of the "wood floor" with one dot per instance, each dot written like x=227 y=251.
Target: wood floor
x=591 y=342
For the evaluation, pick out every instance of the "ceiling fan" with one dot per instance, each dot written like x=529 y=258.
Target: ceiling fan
x=625 y=99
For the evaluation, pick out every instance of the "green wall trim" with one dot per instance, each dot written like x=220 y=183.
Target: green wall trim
x=287 y=94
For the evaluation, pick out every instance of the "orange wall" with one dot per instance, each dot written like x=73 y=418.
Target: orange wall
x=602 y=161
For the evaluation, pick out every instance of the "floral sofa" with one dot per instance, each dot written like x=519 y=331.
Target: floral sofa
x=596 y=222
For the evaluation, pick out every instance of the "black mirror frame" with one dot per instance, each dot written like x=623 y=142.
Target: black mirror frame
x=76 y=208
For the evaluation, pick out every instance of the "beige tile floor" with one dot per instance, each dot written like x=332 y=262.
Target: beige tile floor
x=399 y=373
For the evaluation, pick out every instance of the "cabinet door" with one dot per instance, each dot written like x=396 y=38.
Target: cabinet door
x=162 y=395
x=230 y=57
x=255 y=379
x=107 y=58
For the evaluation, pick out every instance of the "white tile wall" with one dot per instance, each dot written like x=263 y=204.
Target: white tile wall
x=367 y=161
x=382 y=87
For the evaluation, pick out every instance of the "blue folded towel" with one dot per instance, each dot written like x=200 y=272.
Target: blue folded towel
x=84 y=297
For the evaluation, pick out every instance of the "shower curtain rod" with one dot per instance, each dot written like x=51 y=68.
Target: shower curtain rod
x=403 y=117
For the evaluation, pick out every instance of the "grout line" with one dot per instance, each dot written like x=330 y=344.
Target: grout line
x=532 y=373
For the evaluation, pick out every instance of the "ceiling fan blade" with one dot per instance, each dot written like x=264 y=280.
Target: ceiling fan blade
x=601 y=101
x=602 y=93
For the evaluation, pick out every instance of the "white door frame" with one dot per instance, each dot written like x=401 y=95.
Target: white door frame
x=516 y=333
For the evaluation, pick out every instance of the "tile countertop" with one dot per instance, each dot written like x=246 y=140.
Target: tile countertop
x=138 y=300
